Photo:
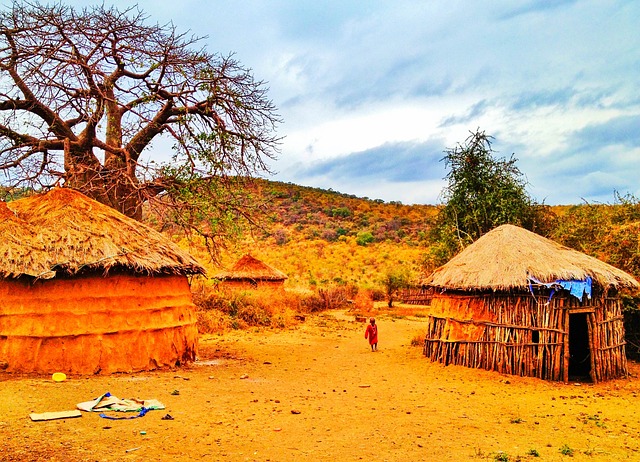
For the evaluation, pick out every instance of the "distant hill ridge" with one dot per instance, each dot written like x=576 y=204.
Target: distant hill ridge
x=313 y=213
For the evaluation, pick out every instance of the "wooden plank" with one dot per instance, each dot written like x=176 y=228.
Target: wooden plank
x=588 y=309
x=592 y=330
x=55 y=415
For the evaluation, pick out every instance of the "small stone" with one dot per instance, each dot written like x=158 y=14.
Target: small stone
x=244 y=376
x=295 y=411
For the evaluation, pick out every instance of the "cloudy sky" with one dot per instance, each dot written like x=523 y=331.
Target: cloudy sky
x=372 y=92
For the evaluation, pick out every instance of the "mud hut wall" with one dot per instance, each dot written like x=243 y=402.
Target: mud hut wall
x=509 y=333
x=85 y=325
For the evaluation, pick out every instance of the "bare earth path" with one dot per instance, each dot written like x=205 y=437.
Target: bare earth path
x=316 y=392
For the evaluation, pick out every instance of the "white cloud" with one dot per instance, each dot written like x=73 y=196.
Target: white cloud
x=353 y=77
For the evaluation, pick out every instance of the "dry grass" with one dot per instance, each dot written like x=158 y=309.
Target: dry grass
x=220 y=311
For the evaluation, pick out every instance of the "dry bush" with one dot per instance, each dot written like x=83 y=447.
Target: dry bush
x=378 y=295
x=418 y=340
x=222 y=310
x=213 y=321
x=330 y=298
x=363 y=301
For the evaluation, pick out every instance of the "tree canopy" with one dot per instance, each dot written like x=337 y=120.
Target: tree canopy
x=83 y=93
x=482 y=192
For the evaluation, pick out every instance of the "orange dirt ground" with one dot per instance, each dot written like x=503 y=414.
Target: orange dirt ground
x=316 y=392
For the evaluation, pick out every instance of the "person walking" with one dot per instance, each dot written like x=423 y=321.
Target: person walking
x=372 y=334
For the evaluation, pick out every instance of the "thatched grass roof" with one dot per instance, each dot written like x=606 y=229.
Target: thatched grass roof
x=249 y=268
x=65 y=232
x=22 y=249
x=503 y=259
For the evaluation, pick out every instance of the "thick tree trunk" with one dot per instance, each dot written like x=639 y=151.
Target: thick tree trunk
x=113 y=184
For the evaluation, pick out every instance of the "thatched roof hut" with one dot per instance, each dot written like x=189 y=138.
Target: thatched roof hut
x=85 y=289
x=249 y=272
x=84 y=235
x=506 y=257
x=518 y=303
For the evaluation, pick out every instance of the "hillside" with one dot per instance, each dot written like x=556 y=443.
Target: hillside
x=321 y=237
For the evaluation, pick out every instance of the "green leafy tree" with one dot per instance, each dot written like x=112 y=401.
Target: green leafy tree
x=482 y=192
x=84 y=93
x=395 y=280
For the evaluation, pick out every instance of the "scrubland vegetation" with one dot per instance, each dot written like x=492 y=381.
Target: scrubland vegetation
x=341 y=251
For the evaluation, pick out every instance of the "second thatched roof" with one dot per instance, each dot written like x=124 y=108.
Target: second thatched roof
x=506 y=256
x=252 y=269
x=62 y=231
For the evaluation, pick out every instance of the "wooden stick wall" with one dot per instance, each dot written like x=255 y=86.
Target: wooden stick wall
x=417 y=296
x=527 y=335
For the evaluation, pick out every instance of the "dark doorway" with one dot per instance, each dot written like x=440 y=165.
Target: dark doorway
x=579 y=353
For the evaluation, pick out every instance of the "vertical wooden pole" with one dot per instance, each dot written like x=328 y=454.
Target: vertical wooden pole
x=591 y=329
x=565 y=374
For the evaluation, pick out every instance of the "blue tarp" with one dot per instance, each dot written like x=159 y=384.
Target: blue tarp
x=577 y=288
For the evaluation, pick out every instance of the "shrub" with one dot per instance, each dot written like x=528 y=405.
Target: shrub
x=565 y=450
x=329 y=235
x=377 y=295
x=363 y=302
x=254 y=315
x=211 y=321
x=326 y=299
x=219 y=311
x=341 y=212
x=281 y=236
x=364 y=238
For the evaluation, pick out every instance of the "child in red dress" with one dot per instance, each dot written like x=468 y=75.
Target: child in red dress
x=372 y=334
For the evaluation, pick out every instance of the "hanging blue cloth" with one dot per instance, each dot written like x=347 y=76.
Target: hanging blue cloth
x=576 y=287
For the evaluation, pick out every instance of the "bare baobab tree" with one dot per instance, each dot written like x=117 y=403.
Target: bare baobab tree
x=83 y=93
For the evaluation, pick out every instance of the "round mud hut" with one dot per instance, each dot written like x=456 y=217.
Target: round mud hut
x=518 y=303
x=87 y=290
x=251 y=273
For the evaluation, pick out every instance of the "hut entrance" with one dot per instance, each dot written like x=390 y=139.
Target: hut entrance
x=579 y=352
